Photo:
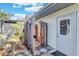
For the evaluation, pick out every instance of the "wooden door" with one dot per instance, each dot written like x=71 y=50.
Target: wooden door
x=36 y=33
x=43 y=33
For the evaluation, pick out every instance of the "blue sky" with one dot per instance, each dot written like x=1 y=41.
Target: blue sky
x=21 y=9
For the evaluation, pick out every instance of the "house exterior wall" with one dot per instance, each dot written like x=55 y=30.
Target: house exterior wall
x=66 y=43
x=52 y=29
x=51 y=23
x=52 y=33
x=78 y=32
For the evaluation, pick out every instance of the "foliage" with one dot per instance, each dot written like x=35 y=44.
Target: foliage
x=18 y=26
x=4 y=15
x=17 y=35
x=1 y=37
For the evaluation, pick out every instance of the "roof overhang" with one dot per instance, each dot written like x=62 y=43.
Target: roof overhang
x=51 y=8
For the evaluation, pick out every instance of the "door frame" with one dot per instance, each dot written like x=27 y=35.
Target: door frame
x=45 y=26
x=75 y=30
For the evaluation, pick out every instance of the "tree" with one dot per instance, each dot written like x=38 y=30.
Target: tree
x=4 y=16
x=18 y=26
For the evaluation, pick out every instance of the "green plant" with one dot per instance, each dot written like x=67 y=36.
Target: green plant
x=17 y=35
x=4 y=15
x=2 y=38
x=17 y=26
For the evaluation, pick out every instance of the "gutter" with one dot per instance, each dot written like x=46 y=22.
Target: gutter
x=41 y=10
x=53 y=7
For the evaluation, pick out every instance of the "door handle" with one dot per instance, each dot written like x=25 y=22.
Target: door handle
x=34 y=36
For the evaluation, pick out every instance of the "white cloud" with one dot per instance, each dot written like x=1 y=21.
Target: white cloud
x=16 y=6
x=23 y=4
x=13 y=18
x=33 y=9
x=35 y=6
x=18 y=16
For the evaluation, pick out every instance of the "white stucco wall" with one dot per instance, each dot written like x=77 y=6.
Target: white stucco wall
x=52 y=26
x=78 y=32
x=51 y=23
x=52 y=32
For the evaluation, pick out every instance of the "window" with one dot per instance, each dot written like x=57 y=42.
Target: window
x=65 y=27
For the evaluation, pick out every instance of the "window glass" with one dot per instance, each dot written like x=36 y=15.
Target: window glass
x=65 y=27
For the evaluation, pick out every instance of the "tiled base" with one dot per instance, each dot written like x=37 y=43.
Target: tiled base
x=39 y=53
x=57 y=53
